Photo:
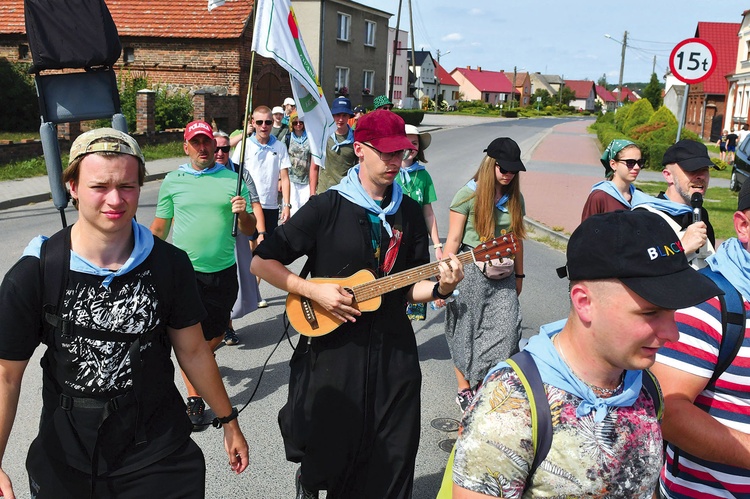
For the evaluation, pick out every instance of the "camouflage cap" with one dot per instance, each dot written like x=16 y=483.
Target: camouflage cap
x=104 y=140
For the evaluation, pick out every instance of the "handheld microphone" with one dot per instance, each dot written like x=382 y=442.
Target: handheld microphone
x=696 y=201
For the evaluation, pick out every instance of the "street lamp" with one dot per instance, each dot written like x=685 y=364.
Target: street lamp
x=624 y=44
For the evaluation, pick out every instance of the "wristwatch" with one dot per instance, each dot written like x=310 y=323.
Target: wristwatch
x=286 y=205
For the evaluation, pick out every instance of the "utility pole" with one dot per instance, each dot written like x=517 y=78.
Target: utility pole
x=413 y=54
x=513 y=95
x=622 y=66
x=653 y=66
x=438 y=96
x=395 y=53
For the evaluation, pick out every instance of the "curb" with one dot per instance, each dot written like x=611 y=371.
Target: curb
x=545 y=231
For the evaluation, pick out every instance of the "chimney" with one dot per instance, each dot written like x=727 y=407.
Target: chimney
x=479 y=68
x=468 y=67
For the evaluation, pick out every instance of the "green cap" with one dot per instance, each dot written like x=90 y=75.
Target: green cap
x=105 y=140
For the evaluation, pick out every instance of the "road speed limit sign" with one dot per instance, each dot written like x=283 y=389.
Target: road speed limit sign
x=692 y=60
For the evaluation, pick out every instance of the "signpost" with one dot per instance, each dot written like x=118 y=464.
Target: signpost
x=692 y=61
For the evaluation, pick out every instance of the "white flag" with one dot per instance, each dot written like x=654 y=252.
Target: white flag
x=212 y=4
x=276 y=35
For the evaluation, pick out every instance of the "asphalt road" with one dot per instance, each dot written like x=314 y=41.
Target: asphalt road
x=453 y=157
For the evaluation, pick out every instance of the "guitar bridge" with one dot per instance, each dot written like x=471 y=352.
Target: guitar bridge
x=309 y=313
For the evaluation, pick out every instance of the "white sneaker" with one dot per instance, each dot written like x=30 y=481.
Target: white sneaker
x=262 y=304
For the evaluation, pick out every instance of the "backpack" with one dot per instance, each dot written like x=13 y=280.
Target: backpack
x=541 y=417
x=733 y=319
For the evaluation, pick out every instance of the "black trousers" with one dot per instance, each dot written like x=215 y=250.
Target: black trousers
x=182 y=474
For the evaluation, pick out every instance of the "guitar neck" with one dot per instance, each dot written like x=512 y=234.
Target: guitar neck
x=368 y=290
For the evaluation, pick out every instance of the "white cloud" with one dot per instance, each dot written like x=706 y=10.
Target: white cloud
x=475 y=12
x=453 y=37
x=476 y=44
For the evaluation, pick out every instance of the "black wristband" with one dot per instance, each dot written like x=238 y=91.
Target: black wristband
x=218 y=422
x=262 y=233
x=436 y=293
x=520 y=276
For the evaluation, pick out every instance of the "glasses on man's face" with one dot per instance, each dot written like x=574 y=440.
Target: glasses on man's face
x=388 y=156
x=298 y=123
x=263 y=122
x=387 y=107
x=632 y=162
x=224 y=149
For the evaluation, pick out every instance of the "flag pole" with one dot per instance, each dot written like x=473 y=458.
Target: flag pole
x=245 y=124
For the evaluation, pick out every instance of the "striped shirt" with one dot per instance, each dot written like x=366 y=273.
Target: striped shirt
x=728 y=402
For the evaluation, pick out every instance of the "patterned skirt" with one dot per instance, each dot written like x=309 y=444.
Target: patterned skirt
x=483 y=324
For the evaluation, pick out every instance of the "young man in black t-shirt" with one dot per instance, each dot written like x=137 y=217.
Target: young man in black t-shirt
x=113 y=419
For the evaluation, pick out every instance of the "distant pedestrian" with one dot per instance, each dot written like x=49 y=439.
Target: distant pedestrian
x=340 y=156
x=289 y=107
x=416 y=183
x=722 y=143
x=731 y=146
x=248 y=294
x=482 y=323
x=359 y=111
x=622 y=163
x=382 y=102
x=302 y=183
x=199 y=200
x=280 y=130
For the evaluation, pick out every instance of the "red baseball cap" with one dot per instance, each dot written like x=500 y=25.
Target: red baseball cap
x=383 y=129
x=198 y=127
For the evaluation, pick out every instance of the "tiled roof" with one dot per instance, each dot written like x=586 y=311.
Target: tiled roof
x=723 y=37
x=487 y=81
x=160 y=19
x=605 y=94
x=630 y=96
x=445 y=77
x=419 y=56
x=582 y=88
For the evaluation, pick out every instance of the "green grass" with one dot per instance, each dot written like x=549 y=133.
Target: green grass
x=35 y=167
x=720 y=202
x=19 y=136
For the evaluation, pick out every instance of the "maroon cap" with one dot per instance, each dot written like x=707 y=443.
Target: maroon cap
x=197 y=128
x=383 y=129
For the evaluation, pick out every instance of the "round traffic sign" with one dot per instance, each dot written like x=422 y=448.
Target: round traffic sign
x=692 y=60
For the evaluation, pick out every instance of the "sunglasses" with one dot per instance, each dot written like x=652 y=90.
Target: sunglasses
x=263 y=122
x=296 y=123
x=503 y=170
x=224 y=149
x=388 y=156
x=387 y=107
x=632 y=162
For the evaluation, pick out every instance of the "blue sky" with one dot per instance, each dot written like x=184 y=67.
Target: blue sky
x=559 y=37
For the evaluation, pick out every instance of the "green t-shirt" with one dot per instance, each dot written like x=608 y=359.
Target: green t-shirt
x=337 y=164
x=202 y=213
x=465 y=206
x=420 y=187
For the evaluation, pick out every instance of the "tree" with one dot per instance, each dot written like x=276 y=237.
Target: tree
x=547 y=99
x=602 y=81
x=652 y=92
x=566 y=95
x=19 y=111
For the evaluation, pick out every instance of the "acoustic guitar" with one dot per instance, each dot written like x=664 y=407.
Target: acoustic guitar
x=309 y=318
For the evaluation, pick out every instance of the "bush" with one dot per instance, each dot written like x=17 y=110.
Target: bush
x=720 y=165
x=466 y=104
x=172 y=109
x=639 y=114
x=19 y=110
x=410 y=116
x=663 y=115
x=510 y=114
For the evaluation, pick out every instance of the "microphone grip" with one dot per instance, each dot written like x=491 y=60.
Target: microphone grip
x=696 y=215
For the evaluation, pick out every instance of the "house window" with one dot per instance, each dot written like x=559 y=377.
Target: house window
x=128 y=54
x=23 y=52
x=342 y=78
x=397 y=94
x=748 y=51
x=370 y=33
x=368 y=82
x=345 y=22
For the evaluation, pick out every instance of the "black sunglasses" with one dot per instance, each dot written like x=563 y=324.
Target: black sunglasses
x=503 y=170
x=223 y=148
x=262 y=122
x=632 y=162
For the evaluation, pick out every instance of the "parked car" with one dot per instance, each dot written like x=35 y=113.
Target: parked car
x=741 y=167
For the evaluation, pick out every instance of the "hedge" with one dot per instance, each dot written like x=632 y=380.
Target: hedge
x=410 y=116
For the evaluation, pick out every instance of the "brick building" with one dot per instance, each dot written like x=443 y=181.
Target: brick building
x=181 y=45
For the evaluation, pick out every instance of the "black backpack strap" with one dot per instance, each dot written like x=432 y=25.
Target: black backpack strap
x=648 y=380
x=54 y=262
x=541 y=416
